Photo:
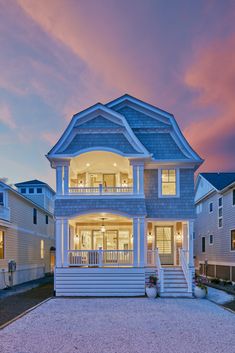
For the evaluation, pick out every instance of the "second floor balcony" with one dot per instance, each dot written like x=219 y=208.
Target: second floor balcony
x=100 y=173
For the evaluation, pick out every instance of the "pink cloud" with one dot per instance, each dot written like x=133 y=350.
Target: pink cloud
x=212 y=77
x=6 y=117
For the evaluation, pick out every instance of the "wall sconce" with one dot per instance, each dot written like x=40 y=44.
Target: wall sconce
x=150 y=237
x=76 y=238
x=179 y=236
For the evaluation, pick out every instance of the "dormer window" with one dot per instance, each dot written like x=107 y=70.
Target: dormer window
x=168 y=182
x=39 y=190
x=31 y=190
x=23 y=190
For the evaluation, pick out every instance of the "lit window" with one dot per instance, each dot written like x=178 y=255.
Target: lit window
x=168 y=182
x=42 y=249
x=2 y=244
x=233 y=239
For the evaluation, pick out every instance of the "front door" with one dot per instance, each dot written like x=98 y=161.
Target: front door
x=164 y=243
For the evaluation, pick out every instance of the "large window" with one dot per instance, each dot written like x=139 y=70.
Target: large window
x=168 y=182
x=42 y=249
x=233 y=239
x=2 y=245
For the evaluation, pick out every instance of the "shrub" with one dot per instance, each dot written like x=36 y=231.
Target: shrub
x=215 y=280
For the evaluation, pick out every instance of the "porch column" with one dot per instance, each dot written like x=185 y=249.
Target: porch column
x=65 y=241
x=142 y=241
x=58 y=242
x=141 y=179
x=66 y=179
x=190 y=240
x=135 y=242
x=59 y=179
x=135 y=178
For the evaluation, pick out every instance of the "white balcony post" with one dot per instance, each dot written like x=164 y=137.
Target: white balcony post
x=135 y=178
x=65 y=241
x=59 y=170
x=141 y=179
x=142 y=241
x=66 y=179
x=190 y=242
x=135 y=242
x=58 y=242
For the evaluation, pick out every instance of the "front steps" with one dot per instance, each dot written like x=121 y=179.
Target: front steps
x=100 y=282
x=175 y=285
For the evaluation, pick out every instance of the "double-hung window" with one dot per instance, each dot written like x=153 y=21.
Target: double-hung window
x=168 y=182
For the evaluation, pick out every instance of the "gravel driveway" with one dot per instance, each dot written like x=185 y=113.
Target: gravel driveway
x=122 y=326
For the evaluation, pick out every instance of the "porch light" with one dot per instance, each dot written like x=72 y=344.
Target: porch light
x=150 y=237
x=88 y=164
x=179 y=236
x=114 y=164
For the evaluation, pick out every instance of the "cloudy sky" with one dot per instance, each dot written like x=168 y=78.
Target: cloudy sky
x=60 y=56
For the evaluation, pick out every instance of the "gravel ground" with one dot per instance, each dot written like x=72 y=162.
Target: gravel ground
x=115 y=325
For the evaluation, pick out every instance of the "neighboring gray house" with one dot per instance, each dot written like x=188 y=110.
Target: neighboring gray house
x=215 y=225
x=124 y=201
x=26 y=234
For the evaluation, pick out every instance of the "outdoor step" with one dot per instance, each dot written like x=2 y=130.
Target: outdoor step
x=175 y=289
x=172 y=277
x=177 y=295
x=174 y=280
x=175 y=285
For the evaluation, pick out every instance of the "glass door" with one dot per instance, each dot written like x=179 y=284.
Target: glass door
x=164 y=243
x=108 y=180
x=111 y=244
x=98 y=240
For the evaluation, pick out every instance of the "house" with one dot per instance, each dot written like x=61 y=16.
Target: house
x=124 y=203
x=215 y=225
x=26 y=233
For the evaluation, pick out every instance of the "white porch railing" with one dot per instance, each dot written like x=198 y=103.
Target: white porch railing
x=100 y=258
x=151 y=258
x=188 y=272
x=160 y=271
x=101 y=190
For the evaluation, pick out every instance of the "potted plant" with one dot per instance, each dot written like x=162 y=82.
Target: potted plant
x=200 y=290
x=151 y=288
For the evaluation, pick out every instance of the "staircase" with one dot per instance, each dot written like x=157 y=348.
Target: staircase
x=100 y=282
x=175 y=284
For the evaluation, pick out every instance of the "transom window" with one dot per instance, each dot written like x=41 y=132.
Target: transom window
x=168 y=182
x=233 y=239
x=2 y=239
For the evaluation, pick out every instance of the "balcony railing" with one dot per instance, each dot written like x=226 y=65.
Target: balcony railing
x=100 y=258
x=5 y=213
x=101 y=190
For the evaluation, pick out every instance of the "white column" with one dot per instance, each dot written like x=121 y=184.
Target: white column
x=141 y=179
x=59 y=179
x=135 y=178
x=190 y=240
x=65 y=241
x=66 y=179
x=185 y=236
x=142 y=241
x=135 y=242
x=58 y=242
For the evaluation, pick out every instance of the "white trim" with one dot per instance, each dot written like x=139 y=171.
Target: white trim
x=217 y=263
x=220 y=208
x=103 y=196
x=177 y=175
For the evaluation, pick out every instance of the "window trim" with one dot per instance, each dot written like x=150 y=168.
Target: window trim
x=4 y=245
x=177 y=175
x=231 y=230
x=210 y=239
x=220 y=207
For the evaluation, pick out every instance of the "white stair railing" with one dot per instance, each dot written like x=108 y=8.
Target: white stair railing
x=160 y=270
x=188 y=272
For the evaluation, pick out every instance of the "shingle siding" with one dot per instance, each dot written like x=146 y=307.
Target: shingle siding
x=106 y=140
x=176 y=208
x=98 y=123
x=74 y=207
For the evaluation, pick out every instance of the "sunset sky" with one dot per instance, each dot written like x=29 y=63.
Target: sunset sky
x=60 y=56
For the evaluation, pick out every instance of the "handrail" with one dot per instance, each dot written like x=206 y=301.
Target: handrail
x=183 y=254
x=101 y=190
x=100 y=258
x=160 y=271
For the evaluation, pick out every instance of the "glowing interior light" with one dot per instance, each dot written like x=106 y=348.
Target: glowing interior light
x=88 y=164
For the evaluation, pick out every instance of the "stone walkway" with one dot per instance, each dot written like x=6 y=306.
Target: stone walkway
x=113 y=325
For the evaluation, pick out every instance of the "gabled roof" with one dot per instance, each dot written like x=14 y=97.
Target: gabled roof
x=219 y=181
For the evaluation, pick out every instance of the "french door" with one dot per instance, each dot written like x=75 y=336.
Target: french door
x=164 y=243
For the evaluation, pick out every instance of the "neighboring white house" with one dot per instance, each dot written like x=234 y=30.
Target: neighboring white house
x=215 y=225
x=26 y=234
x=124 y=203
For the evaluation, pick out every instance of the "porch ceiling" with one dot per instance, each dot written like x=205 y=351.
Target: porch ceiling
x=95 y=218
